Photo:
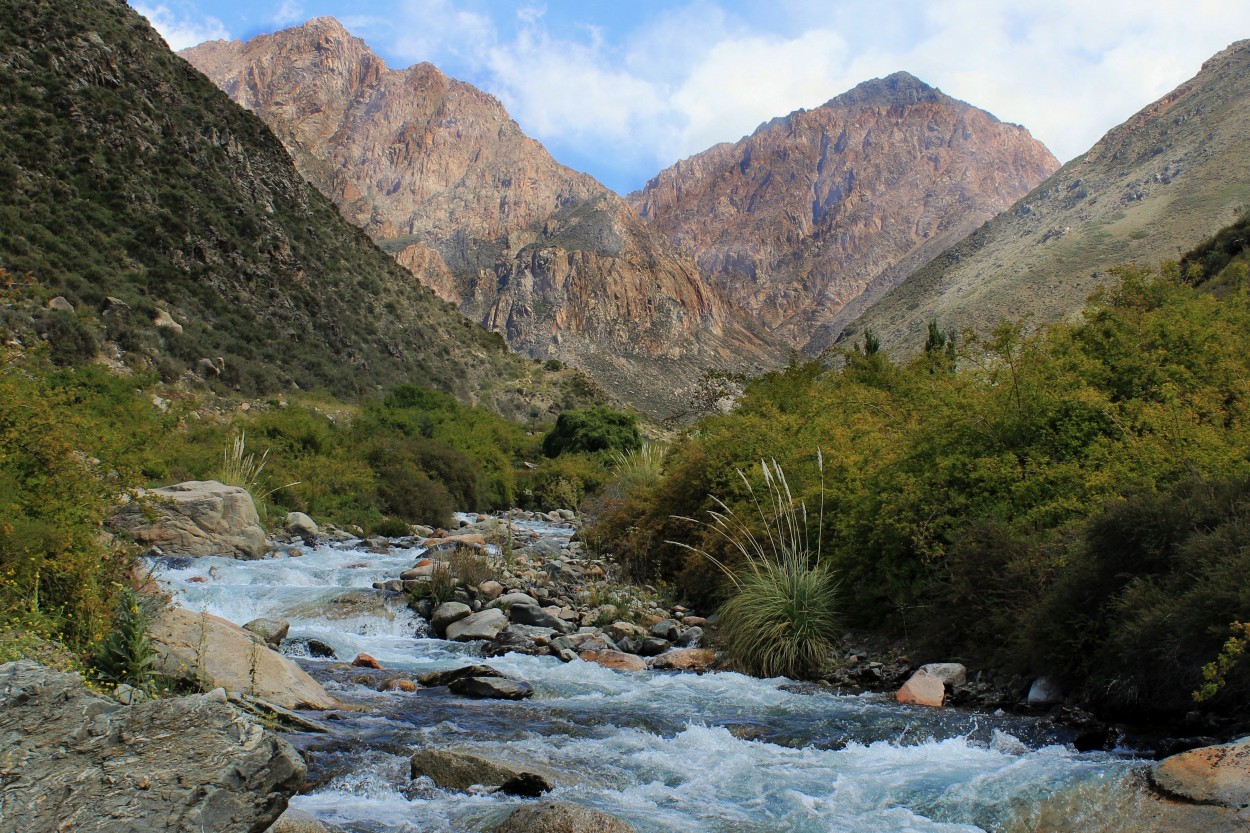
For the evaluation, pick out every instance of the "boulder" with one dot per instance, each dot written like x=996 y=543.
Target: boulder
x=616 y=660
x=297 y=523
x=199 y=517
x=690 y=637
x=686 y=659
x=666 y=629
x=306 y=646
x=297 y=821
x=164 y=319
x=483 y=625
x=491 y=688
x=471 y=539
x=561 y=817
x=455 y=770
x=74 y=760
x=509 y=600
x=433 y=679
x=60 y=304
x=952 y=674
x=923 y=689
x=535 y=616
x=653 y=646
x=490 y=590
x=448 y=613
x=366 y=661
x=1044 y=692
x=271 y=631
x=209 y=651
x=1218 y=775
x=625 y=630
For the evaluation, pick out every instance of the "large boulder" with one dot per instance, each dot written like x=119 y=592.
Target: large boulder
x=272 y=631
x=213 y=652
x=297 y=821
x=491 y=688
x=1218 y=775
x=73 y=760
x=455 y=770
x=199 y=517
x=448 y=613
x=483 y=625
x=922 y=689
x=952 y=674
x=686 y=659
x=297 y=523
x=561 y=817
x=615 y=660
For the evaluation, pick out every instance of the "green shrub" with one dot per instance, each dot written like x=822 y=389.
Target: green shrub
x=126 y=655
x=593 y=429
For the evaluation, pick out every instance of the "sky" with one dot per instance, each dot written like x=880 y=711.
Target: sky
x=624 y=88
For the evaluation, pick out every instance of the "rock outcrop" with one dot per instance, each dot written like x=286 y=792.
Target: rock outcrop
x=440 y=176
x=561 y=817
x=207 y=649
x=198 y=517
x=1214 y=775
x=73 y=760
x=453 y=769
x=1172 y=175
x=800 y=218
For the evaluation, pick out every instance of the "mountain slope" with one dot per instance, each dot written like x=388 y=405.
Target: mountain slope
x=798 y=219
x=1150 y=189
x=439 y=175
x=132 y=186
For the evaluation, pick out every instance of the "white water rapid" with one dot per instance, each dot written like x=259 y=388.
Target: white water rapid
x=716 y=753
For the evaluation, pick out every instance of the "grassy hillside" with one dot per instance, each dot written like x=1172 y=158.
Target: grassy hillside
x=130 y=185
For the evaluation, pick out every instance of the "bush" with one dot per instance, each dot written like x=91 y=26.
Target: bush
x=593 y=429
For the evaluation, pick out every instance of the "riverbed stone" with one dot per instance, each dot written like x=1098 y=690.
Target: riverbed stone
x=922 y=689
x=297 y=523
x=653 y=646
x=306 y=646
x=491 y=688
x=433 y=679
x=490 y=590
x=952 y=674
x=297 y=821
x=74 y=760
x=1044 y=692
x=537 y=617
x=198 y=517
x=210 y=651
x=561 y=817
x=453 y=769
x=271 y=631
x=483 y=625
x=686 y=659
x=1218 y=775
x=615 y=660
x=666 y=629
x=509 y=600
x=449 y=613
x=690 y=637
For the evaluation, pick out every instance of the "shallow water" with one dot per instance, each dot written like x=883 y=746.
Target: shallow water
x=667 y=751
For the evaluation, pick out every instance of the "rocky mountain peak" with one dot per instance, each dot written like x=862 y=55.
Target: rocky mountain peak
x=898 y=88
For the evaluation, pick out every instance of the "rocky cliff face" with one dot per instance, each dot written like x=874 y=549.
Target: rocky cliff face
x=439 y=175
x=1154 y=187
x=798 y=219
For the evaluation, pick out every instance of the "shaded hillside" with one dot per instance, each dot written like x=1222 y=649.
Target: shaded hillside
x=798 y=219
x=130 y=185
x=1150 y=189
x=439 y=174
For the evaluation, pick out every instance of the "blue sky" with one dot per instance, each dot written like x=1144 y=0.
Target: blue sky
x=624 y=89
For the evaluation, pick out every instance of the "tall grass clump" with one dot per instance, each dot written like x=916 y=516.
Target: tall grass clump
x=638 y=469
x=240 y=467
x=781 y=619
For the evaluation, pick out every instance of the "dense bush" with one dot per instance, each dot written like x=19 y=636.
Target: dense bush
x=598 y=428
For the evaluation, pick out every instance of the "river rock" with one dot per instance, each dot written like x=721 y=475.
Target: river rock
x=616 y=660
x=448 y=613
x=433 y=679
x=209 y=651
x=666 y=629
x=74 y=760
x=297 y=821
x=1218 y=775
x=306 y=646
x=485 y=624
x=690 y=637
x=653 y=646
x=491 y=688
x=952 y=674
x=297 y=523
x=490 y=590
x=686 y=659
x=455 y=770
x=1044 y=692
x=625 y=630
x=271 y=631
x=198 y=517
x=561 y=817
x=923 y=689
x=509 y=600
x=366 y=661
x=535 y=616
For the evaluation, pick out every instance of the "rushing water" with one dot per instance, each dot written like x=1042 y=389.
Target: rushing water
x=667 y=751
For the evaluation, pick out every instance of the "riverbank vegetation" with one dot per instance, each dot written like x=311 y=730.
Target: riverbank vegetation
x=1072 y=503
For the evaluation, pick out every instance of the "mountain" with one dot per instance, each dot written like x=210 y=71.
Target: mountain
x=800 y=218
x=440 y=176
x=180 y=236
x=1149 y=190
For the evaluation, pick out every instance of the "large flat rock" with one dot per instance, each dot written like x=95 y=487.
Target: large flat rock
x=71 y=760
x=201 y=646
x=1218 y=775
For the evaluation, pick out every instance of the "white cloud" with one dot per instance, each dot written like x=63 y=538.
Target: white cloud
x=179 y=31
x=708 y=71
x=290 y=11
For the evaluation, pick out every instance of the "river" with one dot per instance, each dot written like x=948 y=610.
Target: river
x=713 y=753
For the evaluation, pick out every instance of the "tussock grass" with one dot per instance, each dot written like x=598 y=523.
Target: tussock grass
x=782 y=617
x=640 y=468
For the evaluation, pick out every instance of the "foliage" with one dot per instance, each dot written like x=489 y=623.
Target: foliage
x=781 y=618
x=562 y=482
x=598 y=428
x=641 y=468
x=1215 y=673
x=126 y=654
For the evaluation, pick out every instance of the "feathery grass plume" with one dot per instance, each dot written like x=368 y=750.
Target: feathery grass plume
x=640 y=468
x=240 y=467
x=782 y=617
